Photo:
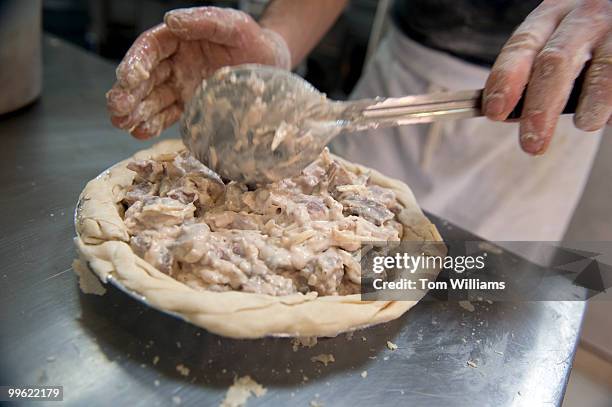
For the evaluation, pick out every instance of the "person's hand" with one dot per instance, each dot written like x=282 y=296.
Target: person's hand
x=548 y=50
x=162 y=69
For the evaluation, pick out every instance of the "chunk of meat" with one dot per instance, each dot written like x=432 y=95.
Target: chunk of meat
x=324 y=274
x=140 y=191
x=202 y=192
x=189 y=181
x=154 y=248
x=386 y=197
x=367 y=208
x=147 y=170
x=155 y=213
x=187 y=164
x=338 y=175
x=310 y=177
x=315 y=205
x=233 y=220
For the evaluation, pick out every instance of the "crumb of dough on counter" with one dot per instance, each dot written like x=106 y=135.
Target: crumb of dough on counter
x=466 y=305
x=364 y=374
x=471 y=363
x=182 y=369
x=391 y=345
x=242 y=389
x=316 y=403
x=304 y=342
x=176 y=400
x=324 y=358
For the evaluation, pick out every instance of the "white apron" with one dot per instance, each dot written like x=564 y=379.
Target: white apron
x=471 y=172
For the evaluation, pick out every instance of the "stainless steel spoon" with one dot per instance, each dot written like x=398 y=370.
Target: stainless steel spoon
x=258 y=124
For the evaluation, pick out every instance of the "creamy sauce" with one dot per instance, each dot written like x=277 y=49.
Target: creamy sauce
x=299 y=234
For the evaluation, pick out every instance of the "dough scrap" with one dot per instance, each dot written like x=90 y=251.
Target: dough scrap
x=88 y=282
x=324 y=358
x=304 y=342
x=240 y=392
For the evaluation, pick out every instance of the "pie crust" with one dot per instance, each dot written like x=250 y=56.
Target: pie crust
x=102 y=244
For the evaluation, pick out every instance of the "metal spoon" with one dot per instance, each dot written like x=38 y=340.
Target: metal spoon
x=258 y=124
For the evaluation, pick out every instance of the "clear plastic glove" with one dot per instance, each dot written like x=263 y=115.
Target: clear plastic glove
x=548 y=50
x=162 y=69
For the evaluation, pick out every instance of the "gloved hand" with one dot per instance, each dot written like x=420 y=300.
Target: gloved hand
x=548 y=50
x=162 y=69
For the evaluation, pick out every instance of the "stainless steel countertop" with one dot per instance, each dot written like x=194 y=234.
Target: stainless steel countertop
x=101 y=349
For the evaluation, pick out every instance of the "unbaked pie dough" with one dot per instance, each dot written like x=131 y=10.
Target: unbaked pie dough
x=282 y=259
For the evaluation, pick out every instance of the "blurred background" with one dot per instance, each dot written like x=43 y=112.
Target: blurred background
x=108 y=27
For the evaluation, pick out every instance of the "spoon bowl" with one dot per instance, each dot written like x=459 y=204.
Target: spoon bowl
x=257 y=124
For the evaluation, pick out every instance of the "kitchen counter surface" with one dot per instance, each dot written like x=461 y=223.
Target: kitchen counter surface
x=112 y=350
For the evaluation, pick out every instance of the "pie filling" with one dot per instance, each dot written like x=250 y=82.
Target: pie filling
x=299 y=234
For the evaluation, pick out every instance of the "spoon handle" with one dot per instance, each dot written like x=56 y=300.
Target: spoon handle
x=376 y=113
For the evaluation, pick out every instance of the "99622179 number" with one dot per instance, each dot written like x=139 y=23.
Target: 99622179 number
x=46 y=393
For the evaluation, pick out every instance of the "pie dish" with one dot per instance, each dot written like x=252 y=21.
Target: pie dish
x=277 y=260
